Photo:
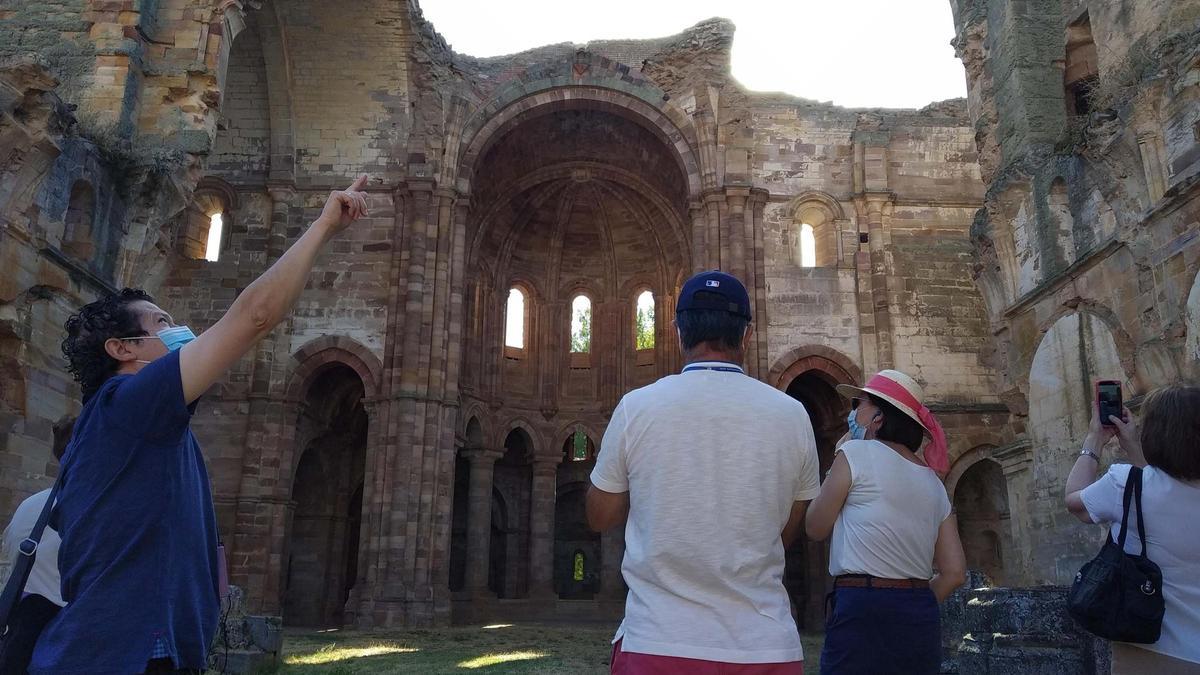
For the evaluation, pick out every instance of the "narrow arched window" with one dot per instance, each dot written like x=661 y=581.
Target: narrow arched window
x=216 y=224
x=581 y=325
x=81 y=213
x=514 y=324
x=579 y=446
x=577 y=573
x=643 y=328
x=808 y=246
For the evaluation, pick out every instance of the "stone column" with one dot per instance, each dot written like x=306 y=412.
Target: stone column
x=479 y=518
x=541 y=528
x=880 y=300
x=736 y=198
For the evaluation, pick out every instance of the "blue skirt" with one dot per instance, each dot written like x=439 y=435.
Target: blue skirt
x=882 y=630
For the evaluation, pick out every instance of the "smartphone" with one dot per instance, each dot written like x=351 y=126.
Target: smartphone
x=1108 y=396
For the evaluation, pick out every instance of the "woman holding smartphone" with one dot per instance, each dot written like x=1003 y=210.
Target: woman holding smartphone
x=895 y=552
x=1170 y=459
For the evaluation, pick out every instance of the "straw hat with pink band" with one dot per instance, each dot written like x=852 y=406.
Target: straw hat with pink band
x=903 y=392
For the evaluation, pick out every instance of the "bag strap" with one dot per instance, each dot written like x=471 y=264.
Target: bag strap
x=1135 y=476
x=27 y=552
x=1130 y=482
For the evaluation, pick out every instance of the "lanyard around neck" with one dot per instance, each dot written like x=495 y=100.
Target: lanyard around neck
x=723 y=369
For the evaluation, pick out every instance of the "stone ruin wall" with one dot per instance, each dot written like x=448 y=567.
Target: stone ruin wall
x=231 y=108
x=1085 y=115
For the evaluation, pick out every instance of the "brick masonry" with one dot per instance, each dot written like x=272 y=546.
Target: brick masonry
x=607 y=170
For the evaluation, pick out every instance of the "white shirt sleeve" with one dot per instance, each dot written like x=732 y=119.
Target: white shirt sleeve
x=808 y=483
x=611 y=473
x=1104 y=498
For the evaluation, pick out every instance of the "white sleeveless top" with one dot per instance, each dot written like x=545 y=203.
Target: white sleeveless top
x=889 y=524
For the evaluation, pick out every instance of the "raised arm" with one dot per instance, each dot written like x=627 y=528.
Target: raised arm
x=824 y=510
x=269 y=299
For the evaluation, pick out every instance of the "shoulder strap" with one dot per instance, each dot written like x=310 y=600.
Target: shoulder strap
x=1134 y=478
x=27 y=552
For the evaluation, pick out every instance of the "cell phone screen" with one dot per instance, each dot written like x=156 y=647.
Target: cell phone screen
x=1109 y=396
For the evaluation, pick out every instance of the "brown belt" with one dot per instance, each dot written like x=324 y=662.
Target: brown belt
x=865 y=581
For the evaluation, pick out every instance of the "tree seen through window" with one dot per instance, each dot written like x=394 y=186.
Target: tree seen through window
x=581 y=325
x=644 y=324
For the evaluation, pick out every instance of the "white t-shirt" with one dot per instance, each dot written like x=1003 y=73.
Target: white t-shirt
x=713 y=461
x=889 y=524
x=1170 y=508
x=43 y=578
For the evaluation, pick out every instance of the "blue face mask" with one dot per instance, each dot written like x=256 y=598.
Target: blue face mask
x=857 y=431
x=173 y=338
x=176 y=337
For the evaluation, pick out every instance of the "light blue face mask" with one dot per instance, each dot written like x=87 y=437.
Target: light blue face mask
x=173 y=338
x=857 y=431
x=176 y=337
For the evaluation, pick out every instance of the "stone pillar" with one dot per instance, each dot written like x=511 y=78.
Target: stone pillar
x=716 y=252
x=479 y=518
x=880 y=300
x=699 y=236
x=736 y=198
x=541 y=528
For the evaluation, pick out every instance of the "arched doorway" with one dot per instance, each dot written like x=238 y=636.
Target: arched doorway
x=460 y=509
x=806 y=575
x=326 y=502
x=511 y=500
x=577 y=549
x=981 y=502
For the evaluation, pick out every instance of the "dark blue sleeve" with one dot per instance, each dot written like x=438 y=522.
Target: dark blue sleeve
x=150 y=404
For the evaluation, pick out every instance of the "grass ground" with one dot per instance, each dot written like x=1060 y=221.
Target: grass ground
x=500 y=648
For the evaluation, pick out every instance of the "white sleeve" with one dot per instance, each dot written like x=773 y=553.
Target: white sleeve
x=1104 y=499
x=611 y=473
x=808 y=483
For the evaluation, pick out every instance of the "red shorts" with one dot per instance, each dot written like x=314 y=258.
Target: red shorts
x=630 y=663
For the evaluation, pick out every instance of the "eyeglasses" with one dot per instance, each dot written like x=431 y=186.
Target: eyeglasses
x=854 y=403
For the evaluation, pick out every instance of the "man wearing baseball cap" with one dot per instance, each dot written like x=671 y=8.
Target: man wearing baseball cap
x=712 y=471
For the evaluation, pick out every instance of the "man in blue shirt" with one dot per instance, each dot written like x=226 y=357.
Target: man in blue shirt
x=139 y=538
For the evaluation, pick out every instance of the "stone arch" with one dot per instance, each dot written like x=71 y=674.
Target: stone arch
x=979 y=493
x=564 y=171
x=317 y=354
x=964 y=462
x=1126 y=347
x=326 y=490
x=809 y=375
x=514 y=103
x=475 y=412
x=536 y=444
x=565 y=432
x=838 y=367
x=824 y=214
x=1077 y=349
x=212 y=196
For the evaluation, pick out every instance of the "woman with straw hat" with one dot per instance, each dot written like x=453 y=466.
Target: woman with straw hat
x=895 y=552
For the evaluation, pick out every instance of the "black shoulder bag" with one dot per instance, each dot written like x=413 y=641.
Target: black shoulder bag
x=1118 y=595
x=21 y=622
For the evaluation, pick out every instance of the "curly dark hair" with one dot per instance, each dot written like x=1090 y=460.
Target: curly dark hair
x=91 y=327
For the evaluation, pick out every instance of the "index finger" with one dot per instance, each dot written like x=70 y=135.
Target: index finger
x=358 y=184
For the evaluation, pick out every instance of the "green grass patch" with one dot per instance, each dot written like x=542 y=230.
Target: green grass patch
x=498 y=648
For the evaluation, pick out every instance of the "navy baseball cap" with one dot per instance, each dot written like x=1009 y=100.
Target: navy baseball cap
x=715 y=290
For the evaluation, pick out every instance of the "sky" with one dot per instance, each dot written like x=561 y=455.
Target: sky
x=854 y=53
